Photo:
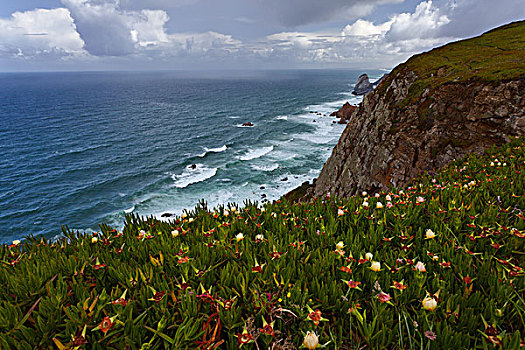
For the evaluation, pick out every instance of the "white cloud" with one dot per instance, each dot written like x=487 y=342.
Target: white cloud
x=424 y=23
x=40 y=32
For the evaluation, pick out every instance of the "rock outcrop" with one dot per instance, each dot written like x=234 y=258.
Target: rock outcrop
x=344 y=112
x=363 y=85
x=432 y=109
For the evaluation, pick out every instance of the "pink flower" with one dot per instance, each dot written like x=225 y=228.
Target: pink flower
x=430 y=335
x=383 y=297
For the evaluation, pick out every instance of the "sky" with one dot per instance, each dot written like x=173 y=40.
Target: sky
x=81 y=35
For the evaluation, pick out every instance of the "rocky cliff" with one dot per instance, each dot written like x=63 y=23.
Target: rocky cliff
x=436 y=107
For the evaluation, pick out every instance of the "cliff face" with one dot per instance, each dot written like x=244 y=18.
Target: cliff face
x=436 y=107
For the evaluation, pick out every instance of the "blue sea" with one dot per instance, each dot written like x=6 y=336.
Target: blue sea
x=80 y=149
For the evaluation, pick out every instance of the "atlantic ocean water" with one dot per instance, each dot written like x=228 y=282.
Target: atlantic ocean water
x=80 y=149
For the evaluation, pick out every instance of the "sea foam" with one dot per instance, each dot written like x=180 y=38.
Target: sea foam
x=191 y=176
x=256 y=153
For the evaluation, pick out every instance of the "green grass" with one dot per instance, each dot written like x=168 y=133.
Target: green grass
x=191 y=283
x=494 y=56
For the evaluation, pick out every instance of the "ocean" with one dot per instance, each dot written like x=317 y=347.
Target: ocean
x=80 y=149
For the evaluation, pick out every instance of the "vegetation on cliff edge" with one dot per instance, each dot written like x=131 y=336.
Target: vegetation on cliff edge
x=494 y=56
x=437 y=265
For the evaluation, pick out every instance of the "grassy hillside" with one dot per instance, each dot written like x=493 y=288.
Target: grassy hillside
x=437 y=265
x=494 y=56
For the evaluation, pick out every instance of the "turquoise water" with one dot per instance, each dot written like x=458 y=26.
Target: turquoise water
x=85 y=148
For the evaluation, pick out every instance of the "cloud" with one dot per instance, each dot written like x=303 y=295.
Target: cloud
x=40 y=32
x=293 y=13
x=472 y=17
x=424 y=23
x=107 y=30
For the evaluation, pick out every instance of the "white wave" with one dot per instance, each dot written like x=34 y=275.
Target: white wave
x=269 y=167
x=256 y=153
x=130 y=210
x=213 y=150
x=193 y=175
x=282 y=117
x=234 y=117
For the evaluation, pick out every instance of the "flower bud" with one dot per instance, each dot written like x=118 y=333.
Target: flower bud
x=311 y=340
x=429 y=234
x=420 y=267
x=429 y=303
x=376 y=266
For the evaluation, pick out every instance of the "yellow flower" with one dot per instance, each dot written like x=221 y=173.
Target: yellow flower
x=94 y=240
x=239 y=237
x=16 y=242
x=340 y=245
x=175 y=233
x=376 y=266
x=429 y=234
x=379 y=205
x=184 y=215
x=311 y=340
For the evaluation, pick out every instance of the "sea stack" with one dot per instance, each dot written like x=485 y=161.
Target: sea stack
x=363 y=85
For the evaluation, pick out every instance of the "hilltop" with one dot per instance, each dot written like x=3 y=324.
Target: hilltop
x=438 y=106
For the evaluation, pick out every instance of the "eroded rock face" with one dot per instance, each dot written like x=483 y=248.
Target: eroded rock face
x=388 y=140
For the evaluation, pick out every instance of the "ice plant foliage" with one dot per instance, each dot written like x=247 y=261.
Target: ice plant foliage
x=291 y=275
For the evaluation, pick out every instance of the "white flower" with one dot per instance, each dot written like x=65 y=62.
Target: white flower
x=499 y=163
x=184 y=215
x=420 y=267
x=369 y=256
x=388 y=198
x=491 y=163
x=259 y=237
x=429 y=234
x=376 y=195
x=376 y=266
x=226 y=213
x=379 y=205
x=365 y=194
x=239 y=237
x=175 y=233
x=340 y=212
x=191 y=219
x=340 y=245
x=504 y=164
x=420 y=199
x=365 y=204
x=311 y=340
x=16 y=242
x=263 y=210
x=94 y=240
x=389 y=205
x=429 y=303
x=233 y=210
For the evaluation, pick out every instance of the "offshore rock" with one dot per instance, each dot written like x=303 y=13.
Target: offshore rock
x=344 y=112
x=363 y=85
